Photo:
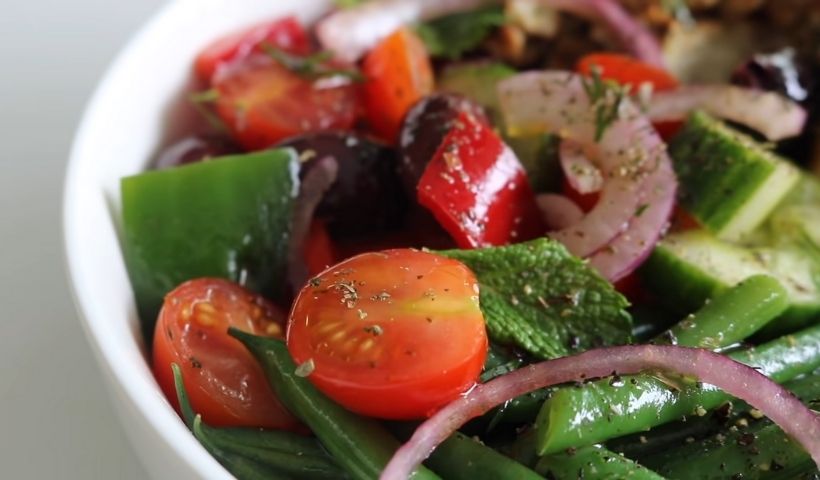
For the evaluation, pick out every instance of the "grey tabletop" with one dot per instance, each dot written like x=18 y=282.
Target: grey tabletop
x=56 y=419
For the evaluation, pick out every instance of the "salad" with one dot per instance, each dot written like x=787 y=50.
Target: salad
x=494 y=239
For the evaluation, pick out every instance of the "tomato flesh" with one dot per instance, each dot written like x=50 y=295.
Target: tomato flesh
x=263 y=102
x=398 y=72
x=224 y=382
x=394 y=334
x=284 y=33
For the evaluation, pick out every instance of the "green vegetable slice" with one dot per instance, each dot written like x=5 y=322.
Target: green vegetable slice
x=539 y=297
x=227 y=217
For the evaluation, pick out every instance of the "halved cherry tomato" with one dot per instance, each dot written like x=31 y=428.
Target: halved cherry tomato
x=393 y=334
x=632 y=72
x=263 y=102
x=284 y=33
x=319 y=251
x=398 y=73
x=224 y=382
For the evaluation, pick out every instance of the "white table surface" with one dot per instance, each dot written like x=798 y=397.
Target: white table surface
x=56 y=419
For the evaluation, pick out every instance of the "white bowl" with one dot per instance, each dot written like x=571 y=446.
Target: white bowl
x=136 y=108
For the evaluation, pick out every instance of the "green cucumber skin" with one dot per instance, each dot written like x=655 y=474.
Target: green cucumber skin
x=592 y=462
x=599 y=411
x=227 y=217
x=361 y=446
x=720 y=170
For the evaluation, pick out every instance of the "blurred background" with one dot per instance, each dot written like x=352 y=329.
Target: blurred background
x=55 y=416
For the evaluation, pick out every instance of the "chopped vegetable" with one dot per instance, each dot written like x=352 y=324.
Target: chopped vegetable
x=398 y=73
x=540 y=298
x=393 y=334
x=230 y=216
x=477 y=189
x=227 y=387
x=285 y=33
x=592 y=462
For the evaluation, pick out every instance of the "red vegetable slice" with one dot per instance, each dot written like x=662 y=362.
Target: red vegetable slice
x=737 y=379
x=478 y=190
x=284 y=33
x=627 y=70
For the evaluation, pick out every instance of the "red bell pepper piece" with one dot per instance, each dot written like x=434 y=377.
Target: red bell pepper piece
x=477 y=189
x=284 y=33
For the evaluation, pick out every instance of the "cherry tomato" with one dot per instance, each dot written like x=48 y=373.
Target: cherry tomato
x=284 y=33
x=393 y=334
x=225 y=384
x=398 y=73
x=263 y=102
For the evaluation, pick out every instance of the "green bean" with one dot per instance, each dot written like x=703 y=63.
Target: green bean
x=759 y=451
x=592 y=461
x=361 y=446
x=605 y=409
x=462 y=458
x=252 y=453
x=732 y=316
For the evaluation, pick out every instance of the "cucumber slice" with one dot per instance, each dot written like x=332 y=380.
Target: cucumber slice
x=729 y=182
x=688 y=268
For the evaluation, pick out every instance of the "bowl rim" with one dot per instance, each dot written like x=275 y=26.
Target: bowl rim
x=142 y=395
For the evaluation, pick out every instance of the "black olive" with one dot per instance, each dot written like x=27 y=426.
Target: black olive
x=367 y=195
x=781 y=71
x=423 y=131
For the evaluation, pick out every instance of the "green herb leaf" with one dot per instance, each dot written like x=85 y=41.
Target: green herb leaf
x=348 y=3
x=453 y=35
x=605 y=96
x=539 y=297
x=313 y=66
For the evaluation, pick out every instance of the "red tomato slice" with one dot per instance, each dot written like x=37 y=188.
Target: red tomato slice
x=225 y=384
x=263 y=102
x=393 y=334
x=398 y=73
x=284 y=33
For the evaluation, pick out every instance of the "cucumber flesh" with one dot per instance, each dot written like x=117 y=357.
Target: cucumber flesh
x=729 y=182
x=688 y=268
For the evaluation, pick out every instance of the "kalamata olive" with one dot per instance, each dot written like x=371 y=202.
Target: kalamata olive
x=779 y=71
x=423 y=130
x=366 y=195
x=193 y=149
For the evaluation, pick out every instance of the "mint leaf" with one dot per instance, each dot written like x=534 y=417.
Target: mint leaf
x=544 y=300
x=453 y=35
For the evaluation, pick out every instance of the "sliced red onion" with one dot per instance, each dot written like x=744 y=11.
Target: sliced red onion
x=628 y=250
x=770 y=113
x=735 y=378
x=312 y=189
x=583 y=176
x=630 y=154
x=558 y=211
x=352 y=32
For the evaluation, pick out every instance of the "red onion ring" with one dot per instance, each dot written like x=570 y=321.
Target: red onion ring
x=558 y=211
x=630 y=154
x=583 y=176
x=352 y=32
x=312 y=189
x=770 y=113
x=735 y=378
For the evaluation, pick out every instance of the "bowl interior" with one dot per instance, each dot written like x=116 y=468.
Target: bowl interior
x=138 y=106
